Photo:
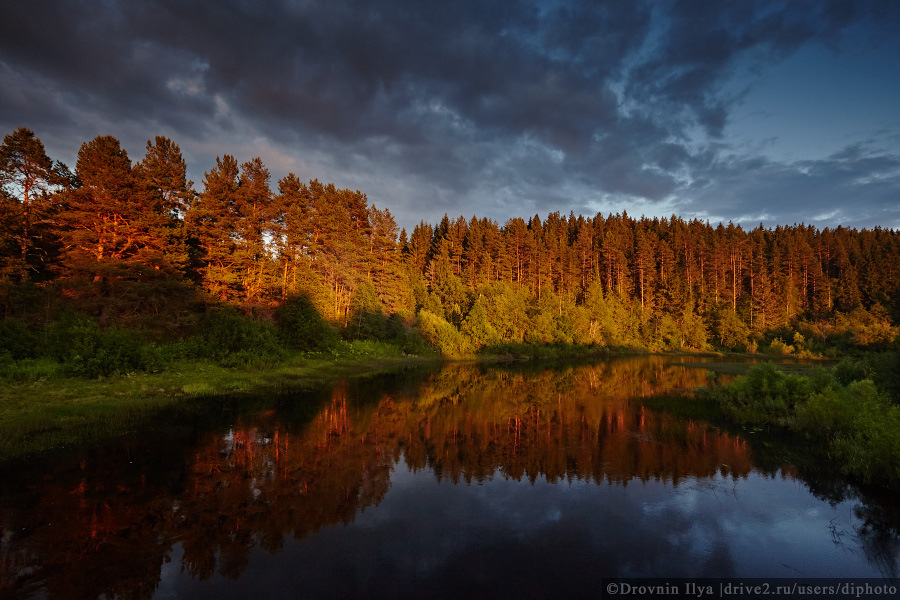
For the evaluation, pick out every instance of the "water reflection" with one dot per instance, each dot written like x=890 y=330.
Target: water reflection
x=556 y=471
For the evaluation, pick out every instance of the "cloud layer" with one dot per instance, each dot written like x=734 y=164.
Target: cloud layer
x=500 y=109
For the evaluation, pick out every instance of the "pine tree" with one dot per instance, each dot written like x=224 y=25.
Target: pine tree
x=162 y=177
x=115 y=253
x=253 y=206
x=107 y=218
x=27 y=179
x=213 y=221
x=387 y=273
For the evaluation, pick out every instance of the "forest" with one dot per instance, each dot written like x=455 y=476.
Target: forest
x=120 y=266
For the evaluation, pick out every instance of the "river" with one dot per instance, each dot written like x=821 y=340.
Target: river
x=510 y=480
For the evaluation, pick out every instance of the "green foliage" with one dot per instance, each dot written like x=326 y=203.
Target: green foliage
x=669 y=332
x=693 y=330
x=234 y=340
x=366 y=319
x=861 y=426
x=84 y=349
x=451 y=292
x=849 y=370
x=731 y=331
x=366 y=349
x=550 y=321
x=832 y=410
x=613 y=322
x=478 y=327
x=301 y=326
x=856 y=423
x=882 y=368
x=29 y=369
x=764 y=396
x=402 y=333
x=448 y=340
x=17 y=340
x=541 y=320
x=623 y=322
x=777 y=346
x=870 y=329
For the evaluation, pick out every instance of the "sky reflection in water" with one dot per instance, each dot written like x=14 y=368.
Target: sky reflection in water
x=507 y=537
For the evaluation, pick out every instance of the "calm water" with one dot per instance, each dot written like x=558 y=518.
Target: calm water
x=465 y=481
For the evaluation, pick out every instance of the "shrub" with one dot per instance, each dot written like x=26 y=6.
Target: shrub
x=856 y=424
x=301 y=326
x=764 y=396
x=17 y=340
x=850 y=370
x=866 y=439
x=234 y=340
x=779 y=347
x=78 y=343
x=442 y=335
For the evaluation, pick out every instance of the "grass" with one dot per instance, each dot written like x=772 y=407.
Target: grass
x=56 y=411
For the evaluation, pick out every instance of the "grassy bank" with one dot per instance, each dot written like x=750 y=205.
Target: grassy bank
x=47 y=413
x=47 y=403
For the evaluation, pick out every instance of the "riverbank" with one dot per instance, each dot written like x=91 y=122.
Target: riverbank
x=44 y=413
x=47 y=409
x=37 y=416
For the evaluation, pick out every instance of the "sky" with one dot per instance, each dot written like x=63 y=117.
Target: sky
x=754 y=112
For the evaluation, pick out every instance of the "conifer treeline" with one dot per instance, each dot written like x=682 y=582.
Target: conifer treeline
x=125 y=240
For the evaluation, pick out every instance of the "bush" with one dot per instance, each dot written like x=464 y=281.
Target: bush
x=764 y=396
x=17 y=340
x=863 y=430
x=856 y=424
x=78 y=343
x=234 y=340
x=779 y=347
x=442 y=335
x=301 y=326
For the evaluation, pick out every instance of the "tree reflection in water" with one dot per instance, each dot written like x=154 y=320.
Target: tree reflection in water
x=109 y=525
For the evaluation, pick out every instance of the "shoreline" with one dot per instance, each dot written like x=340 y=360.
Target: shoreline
x=44 y=415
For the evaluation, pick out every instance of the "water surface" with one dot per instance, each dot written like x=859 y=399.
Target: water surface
x=469 y=480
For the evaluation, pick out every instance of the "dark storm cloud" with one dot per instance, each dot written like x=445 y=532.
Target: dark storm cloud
x=545 y=104
x=856 y=186
x=699 y=45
